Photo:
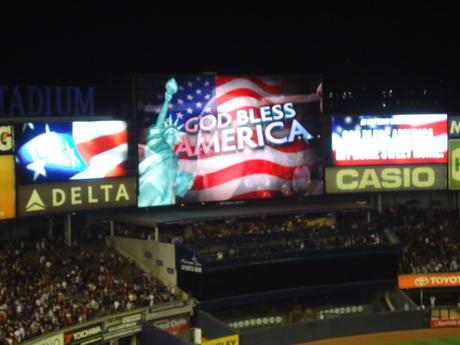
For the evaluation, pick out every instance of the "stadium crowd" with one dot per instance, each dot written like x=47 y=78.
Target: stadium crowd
x=45 y=286
x=430 y=238
x=274 y=235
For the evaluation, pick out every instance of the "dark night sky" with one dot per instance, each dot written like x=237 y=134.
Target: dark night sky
x=85 y=41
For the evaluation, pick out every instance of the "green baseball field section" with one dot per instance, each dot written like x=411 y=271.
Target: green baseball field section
x=445 y=341
x=440 y=336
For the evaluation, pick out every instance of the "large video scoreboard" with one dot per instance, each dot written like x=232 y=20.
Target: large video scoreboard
x=69 y=166
x=388 y=153
x=215 y=138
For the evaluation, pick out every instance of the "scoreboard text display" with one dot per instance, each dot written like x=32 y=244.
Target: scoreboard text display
x=389 y=139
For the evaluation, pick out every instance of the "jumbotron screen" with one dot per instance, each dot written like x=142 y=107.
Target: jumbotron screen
x=61 y=151
x=217 y=138
x=389 y=139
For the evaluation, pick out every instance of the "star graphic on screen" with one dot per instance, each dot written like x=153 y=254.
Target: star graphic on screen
x=38 y=167
x=28 y=124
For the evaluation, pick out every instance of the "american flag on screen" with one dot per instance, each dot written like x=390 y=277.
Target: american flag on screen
x=389 y=139
x=251 y=173
x=72 y=151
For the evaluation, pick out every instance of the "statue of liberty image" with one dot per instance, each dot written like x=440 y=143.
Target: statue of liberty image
x=160 y=179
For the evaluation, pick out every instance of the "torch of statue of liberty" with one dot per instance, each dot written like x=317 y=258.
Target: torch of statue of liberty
x=160 y=179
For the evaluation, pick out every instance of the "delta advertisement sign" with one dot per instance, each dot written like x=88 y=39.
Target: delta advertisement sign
x=389 y=139
x=215 y=138
x=64 y=197
x=417 y=281
x=7 y=174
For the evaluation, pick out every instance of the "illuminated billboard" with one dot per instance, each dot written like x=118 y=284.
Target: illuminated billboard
x=385 y=178
x=454 y=164
x=8 y=192
x=53 y=152
x=213 y=138
x=389 y=139
x=6 y=139
x=61 y=197
x=454 y=126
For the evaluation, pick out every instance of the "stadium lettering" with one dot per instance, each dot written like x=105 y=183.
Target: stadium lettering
x=222 y=133
x=387 y=178
x=103 y=193
x=454 y=127
x=46 y=101
x=450 y=280
x=6 y=138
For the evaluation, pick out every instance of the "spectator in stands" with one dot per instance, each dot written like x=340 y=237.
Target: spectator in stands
x=52 y=287
x=429 y=239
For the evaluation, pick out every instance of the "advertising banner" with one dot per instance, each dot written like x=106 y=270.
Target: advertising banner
x=454 y=164
x=228 y=340
x=454 y=126
x=417 y=281
x=187 y=261
x=63 y=151
x=122 y=326
x=215 y=138
x=389 y=139
x=6 y=139
x=47 y=198
x=57 y=339
x=444 y=323
x=85 y=335
x=7 y=188
x=385 y=178
x=174 y=325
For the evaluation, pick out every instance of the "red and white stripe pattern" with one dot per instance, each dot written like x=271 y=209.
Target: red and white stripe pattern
x=251 y=173
x=104 y=147
x=392 y=148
